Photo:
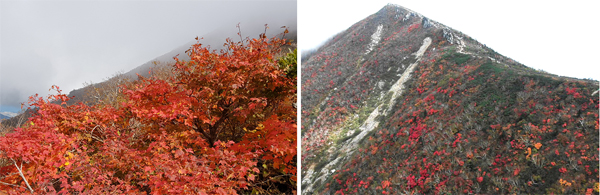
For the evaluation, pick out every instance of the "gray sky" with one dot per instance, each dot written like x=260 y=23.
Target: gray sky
x=67 y=43
x=556 y=36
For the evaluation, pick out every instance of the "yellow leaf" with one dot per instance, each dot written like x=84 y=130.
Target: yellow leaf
x=66 y=164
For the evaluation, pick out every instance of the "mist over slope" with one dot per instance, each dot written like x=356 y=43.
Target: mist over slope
x=215 y=40
x=401 y=103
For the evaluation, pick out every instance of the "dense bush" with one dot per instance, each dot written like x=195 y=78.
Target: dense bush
x=221 y=123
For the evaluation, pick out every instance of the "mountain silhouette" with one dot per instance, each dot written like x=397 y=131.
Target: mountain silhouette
x=214 y=39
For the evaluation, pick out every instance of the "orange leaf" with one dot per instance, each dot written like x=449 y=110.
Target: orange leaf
x=538 y=145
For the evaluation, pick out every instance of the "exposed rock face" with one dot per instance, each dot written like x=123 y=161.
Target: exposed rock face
x=426 y=23
x=401 y=103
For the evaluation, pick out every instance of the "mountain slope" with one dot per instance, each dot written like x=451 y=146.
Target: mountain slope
x=214 y=39
x=401 y=103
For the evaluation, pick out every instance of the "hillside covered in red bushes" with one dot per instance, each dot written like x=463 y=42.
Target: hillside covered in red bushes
x=399 y=103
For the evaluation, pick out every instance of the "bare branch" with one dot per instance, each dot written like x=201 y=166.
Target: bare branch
x=8 y=184
x=21 y=173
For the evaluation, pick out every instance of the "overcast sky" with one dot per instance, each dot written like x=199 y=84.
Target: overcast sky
x=67 y=43
x=559 y=37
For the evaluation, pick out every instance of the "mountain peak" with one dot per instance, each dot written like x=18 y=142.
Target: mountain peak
x=399 y=99
x=399 y=10
x=396 y=8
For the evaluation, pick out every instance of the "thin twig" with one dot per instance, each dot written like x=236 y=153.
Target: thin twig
x=240 y=33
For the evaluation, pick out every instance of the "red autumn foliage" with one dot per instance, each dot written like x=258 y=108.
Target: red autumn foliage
x=224 y=123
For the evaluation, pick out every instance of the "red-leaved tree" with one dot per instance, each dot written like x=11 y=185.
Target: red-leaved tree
x=222 y=123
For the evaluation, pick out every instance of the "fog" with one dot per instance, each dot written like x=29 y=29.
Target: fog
x=68 y=43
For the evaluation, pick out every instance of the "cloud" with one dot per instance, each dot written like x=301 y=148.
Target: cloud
x=66 y=43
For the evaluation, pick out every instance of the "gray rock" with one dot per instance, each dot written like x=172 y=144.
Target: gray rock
x=425 y=23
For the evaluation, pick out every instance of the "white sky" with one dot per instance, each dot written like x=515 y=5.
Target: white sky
x=555 y=36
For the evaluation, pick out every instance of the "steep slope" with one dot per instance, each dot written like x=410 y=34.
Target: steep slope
x=401 y=103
